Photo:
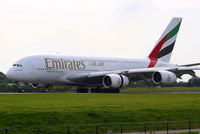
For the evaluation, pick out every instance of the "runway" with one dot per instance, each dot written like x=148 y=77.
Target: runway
x=103 y=93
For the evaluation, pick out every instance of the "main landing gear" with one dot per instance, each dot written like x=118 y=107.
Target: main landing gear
x=98 y=90
x=82 y=90
x=105 y=90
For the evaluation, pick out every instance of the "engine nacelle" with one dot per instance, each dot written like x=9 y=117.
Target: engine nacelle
x=115 y=81
x=164 y=77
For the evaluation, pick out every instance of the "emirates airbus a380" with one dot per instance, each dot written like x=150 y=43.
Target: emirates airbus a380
x=108 y=73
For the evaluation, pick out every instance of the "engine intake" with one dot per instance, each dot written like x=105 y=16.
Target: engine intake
x=115 y=81
x=163 y=77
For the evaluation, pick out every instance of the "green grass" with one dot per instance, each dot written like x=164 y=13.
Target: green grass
x=31 y=110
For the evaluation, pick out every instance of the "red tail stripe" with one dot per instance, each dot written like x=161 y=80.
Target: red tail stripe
x=154 y=53
x=152 y=63
x=156 y=50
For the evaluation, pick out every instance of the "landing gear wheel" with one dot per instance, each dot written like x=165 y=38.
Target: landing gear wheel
x=111 y=90
x=20 y=90
x=47 y=88
x=97 y=90
x=105 y=90
x=82 y=90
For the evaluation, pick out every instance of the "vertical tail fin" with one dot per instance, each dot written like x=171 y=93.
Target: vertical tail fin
x=164 y=46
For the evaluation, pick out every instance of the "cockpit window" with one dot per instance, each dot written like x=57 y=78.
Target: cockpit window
x=18 y=65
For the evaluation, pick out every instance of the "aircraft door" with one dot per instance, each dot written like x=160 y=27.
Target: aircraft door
x=32 y=69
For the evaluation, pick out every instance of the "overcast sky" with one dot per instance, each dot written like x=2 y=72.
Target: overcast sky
x=117 y=28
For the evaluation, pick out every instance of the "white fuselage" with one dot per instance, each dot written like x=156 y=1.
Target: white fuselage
x=56 y=69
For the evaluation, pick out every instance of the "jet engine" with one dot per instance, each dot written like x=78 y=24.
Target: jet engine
x=163 y=77
x=115 y=81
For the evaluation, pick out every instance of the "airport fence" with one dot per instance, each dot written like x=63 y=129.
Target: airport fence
x=184 y=127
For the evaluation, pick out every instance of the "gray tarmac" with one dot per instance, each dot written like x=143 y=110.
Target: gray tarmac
x=107 y=93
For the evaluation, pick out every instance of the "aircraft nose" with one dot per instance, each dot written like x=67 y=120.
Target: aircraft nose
x=10 y=74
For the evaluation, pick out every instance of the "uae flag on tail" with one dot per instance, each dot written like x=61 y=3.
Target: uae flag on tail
x=164 y=47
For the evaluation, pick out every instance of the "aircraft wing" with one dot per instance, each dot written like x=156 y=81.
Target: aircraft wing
x=188 y=65
x=146 y=73
x=178 y=71
x=140 y=74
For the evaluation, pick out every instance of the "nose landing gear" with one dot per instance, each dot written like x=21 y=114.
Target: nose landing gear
x=20 y=86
